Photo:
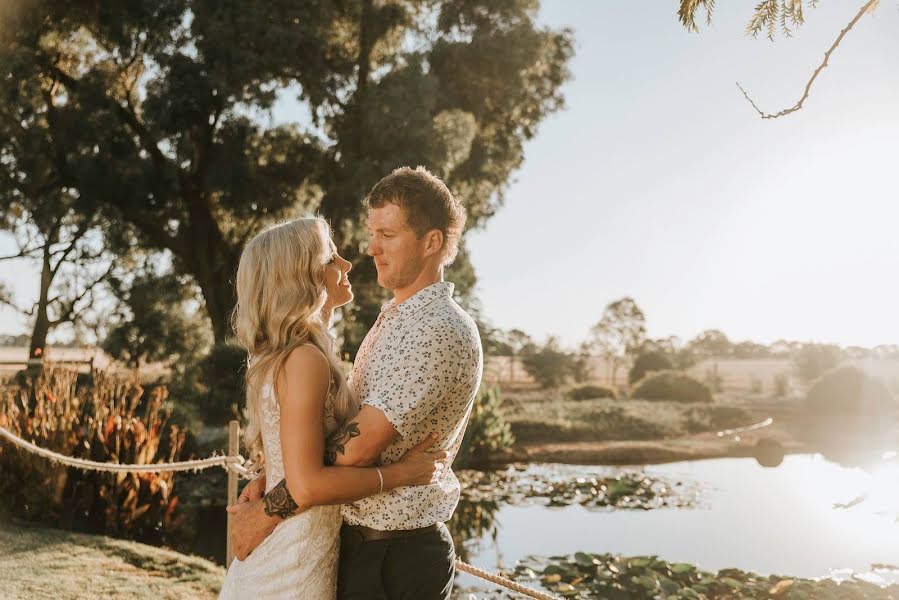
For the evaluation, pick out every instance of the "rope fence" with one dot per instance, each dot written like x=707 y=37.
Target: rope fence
x=234 y=463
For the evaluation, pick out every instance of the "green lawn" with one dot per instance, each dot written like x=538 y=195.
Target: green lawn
x=38 y=563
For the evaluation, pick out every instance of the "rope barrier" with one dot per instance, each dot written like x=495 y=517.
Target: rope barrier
x=505 y=582
x=234 y=463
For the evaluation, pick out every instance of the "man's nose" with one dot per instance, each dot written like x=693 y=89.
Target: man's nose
x=373 y=248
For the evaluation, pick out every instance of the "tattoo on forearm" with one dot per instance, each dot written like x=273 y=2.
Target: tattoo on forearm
x=336 y=442
x=279 y=503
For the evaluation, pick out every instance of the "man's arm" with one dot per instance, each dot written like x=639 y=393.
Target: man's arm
x=358 y=443
x=361 y=441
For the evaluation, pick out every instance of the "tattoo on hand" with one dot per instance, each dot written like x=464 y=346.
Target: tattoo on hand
x=337 y=441
x=279 y=503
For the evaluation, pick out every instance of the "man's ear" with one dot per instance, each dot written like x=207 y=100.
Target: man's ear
x=433 y=242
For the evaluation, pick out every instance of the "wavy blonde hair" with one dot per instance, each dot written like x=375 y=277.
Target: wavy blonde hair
x=280 y=295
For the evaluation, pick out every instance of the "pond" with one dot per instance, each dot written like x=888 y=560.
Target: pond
x=808 y=517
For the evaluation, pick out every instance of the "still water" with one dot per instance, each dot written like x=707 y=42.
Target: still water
x=808 y=517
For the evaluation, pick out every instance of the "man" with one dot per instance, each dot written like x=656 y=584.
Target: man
x=416 y=373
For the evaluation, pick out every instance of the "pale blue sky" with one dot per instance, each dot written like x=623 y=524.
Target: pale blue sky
x=659 y=181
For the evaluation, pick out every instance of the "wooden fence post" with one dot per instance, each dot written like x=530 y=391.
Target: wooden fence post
x=233 y=450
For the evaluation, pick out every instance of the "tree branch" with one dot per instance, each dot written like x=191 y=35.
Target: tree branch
x=23 y=253
x=69 y=314
x=808 y=86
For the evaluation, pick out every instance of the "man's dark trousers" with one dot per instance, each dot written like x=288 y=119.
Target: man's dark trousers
x=417 y=567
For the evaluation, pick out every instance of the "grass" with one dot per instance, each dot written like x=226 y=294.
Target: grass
x=38 y=563
x=547 y=416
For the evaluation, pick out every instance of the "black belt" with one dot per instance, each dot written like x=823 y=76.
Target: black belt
x=367 y=534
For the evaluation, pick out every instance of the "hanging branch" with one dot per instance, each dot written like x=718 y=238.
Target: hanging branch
x=808 y=86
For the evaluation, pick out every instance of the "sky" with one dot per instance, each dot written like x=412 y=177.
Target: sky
x=660 y=182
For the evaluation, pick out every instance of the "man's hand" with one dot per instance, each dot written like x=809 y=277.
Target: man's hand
x=249 y=526
x=253 y=491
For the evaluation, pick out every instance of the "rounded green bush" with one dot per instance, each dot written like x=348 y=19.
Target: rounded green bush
x=590 y=391
x=646 y=362
x=671 y=385
x=849 y=414
x=848 y=391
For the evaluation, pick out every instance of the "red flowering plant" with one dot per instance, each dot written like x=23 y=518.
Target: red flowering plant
x=111 y=420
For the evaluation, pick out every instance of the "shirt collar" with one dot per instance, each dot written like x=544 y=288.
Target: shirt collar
x=421 y=298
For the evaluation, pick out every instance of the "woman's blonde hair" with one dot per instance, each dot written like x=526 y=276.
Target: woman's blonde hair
x=280 y=295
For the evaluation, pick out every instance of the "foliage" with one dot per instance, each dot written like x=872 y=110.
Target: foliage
x=671 y=385
x=112 y=420
x=155 y=321
x=813 y=360
x=647 y=362
x=170 y=101
x=565 y=486
x=711 y=343
x=781 y=385
x=848 y=394
x=223 y=373
x=590 y=391
x=549 y=365
x=620 y=333
x=588 y=575
x=698 y=419
x=487 y=433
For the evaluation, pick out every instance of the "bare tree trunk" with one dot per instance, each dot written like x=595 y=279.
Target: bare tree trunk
x=42 y=320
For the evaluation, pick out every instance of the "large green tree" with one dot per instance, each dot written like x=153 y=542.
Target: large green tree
x=157 y=112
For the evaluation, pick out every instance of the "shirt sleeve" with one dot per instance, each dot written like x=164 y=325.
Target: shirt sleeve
x=426 y=369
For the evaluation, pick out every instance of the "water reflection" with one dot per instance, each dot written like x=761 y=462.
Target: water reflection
x=767 y=520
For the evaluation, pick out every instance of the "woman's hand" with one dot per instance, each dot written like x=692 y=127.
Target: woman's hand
x=420 y=465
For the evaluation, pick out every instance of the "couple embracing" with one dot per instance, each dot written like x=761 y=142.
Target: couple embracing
x=355 y=480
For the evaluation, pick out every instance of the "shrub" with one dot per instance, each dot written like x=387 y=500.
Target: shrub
x=101 y=422
x=647 y=361
x=849 y=392
x=813 y=360
x=846 y=404
x=671 y=385
x=487 y=433
x=590 y=391
x=781 y=384
x=213 y=388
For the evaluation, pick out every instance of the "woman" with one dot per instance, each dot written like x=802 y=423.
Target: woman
x=289 y=281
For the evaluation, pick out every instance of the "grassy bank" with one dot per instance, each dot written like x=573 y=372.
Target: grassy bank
x=38 y=564
x=549 y=427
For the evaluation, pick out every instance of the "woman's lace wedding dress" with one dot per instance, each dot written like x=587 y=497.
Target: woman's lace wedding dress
x=299 y=558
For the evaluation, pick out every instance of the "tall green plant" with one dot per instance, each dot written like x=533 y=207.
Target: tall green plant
x=487 y=433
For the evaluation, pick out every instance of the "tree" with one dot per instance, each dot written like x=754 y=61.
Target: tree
x=72 y=263
x=53 y=225
x=619 y=334
x=549 y=365
x=152 y=110
x=154 y=321
x=711 y=343
x=813 y=360
x=771 y=16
